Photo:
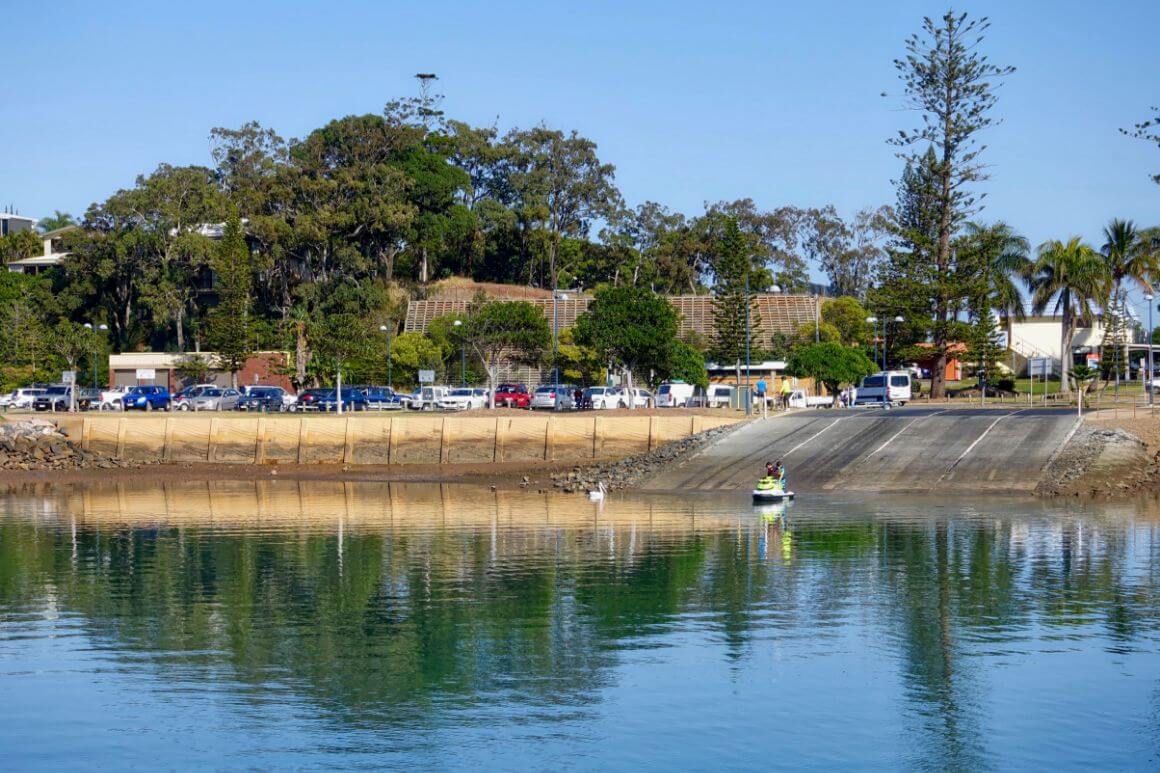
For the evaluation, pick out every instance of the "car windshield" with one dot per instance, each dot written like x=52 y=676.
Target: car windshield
x=872 y=382
x=664 y=390
x=56 y=390
x=212 y=393
x=460 y=393
x=544 y=390
x=262 y=391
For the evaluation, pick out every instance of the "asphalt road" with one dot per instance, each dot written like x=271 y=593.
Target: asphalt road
x=912 y=449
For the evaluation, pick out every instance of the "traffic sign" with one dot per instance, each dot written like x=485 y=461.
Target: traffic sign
x=426 y=377
x=68 y=377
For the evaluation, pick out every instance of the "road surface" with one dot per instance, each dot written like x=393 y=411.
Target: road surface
x=911 y=449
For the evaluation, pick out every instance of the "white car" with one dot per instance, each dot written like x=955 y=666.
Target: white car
x=112 y=399
x=603 y=398
x=463 y=399
x=641 y=398
x=20 y=398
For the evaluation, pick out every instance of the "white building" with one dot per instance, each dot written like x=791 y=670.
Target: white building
x=1040 y=336
x=11 y=224
x=52 y=255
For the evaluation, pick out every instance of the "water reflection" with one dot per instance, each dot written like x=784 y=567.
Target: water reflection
x=430 y=610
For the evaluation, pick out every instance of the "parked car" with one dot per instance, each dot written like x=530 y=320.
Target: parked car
x=641 y=398
x=407 y=399
x=112 y=399
x=674 y=394
x=147 y=398
x=216 y=399
x=383 y=398
x=512 y=396
x=310 y=399
x=874 y=389
x=427 y=398
x=464 y=399
x=20 y=399
x=554 y=397
x=183 y=400
x=719 y=395
x=603 y=398
x=263 y=398
x=352 y=400
x=59 y=397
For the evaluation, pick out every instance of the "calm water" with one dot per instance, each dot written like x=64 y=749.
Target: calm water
x=262 y=625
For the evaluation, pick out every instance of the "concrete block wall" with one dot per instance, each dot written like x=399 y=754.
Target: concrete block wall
x=361 y=439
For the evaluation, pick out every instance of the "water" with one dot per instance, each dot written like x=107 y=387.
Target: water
x=242 y=625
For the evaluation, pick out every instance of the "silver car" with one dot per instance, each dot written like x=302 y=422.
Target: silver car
x=216 y=399
x=553 y=396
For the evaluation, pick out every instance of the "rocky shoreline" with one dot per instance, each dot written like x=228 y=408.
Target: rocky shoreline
x=628 y=472
x=1099 y=462
x=37 y=444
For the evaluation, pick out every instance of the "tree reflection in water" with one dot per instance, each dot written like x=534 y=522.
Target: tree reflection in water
x=389 y=603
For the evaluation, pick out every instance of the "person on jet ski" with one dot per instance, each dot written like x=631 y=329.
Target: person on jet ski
x=774 y=477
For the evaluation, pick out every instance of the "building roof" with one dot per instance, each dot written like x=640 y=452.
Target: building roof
x=52 y=259
x=774 y=313
x=11 y=216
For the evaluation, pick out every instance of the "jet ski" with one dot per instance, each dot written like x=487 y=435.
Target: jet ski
x=769 y=490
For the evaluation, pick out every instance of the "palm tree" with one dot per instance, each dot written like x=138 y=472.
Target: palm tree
x=1076 y=278
x=54 y=221
x=1007 y=257
x=1130 y=259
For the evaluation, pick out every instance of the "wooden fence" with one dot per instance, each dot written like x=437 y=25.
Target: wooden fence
x=378 y=439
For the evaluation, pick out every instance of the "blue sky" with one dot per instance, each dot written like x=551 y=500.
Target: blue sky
x=692 y=102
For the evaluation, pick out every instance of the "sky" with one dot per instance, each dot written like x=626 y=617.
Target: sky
x=693 y=102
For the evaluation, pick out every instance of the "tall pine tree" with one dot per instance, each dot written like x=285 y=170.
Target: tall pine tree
x=229 y=321
x=732 y=297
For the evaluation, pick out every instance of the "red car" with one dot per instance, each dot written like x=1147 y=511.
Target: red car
x=512 y=396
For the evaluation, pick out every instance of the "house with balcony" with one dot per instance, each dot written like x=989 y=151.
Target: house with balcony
x=52 y=256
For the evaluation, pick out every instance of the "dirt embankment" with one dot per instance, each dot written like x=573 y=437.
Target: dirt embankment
x=1107 y=457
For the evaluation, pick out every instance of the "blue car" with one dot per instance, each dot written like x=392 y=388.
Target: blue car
x=147 y=398
x=382 y=398
x=352 y=400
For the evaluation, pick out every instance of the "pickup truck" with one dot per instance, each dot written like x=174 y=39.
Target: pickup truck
x=58 y=397
x=799 y=399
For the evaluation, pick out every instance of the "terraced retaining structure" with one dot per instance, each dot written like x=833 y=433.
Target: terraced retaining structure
x=361 y=439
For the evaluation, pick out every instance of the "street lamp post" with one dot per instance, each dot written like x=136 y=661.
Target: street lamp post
x=462 y=355
x=556 y=296
x=1148 y=384
x=874 y=322
x=104 y=329
x=748 y=394
x=390 y=375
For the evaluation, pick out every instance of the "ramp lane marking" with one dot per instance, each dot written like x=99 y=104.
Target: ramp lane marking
x=899 y=432
x=811 y=437
x=976 y=442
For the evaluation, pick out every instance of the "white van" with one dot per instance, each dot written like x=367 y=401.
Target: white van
x=719 y=396
x=674 y=394
x=893 y=384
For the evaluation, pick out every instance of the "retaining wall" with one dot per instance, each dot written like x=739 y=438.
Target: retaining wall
x=361 y=439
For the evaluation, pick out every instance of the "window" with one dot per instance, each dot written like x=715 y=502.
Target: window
x=873 y=382
x=900 y=381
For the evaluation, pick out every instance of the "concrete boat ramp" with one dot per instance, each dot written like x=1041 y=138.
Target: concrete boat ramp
x=910 y=449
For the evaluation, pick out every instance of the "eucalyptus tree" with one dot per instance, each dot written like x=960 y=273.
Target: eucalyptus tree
x=1149 y=131
x=952 y=84
x=561 y=188
x=1072 y=279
